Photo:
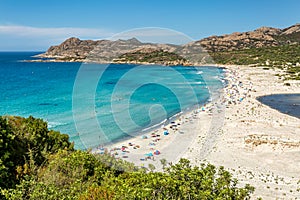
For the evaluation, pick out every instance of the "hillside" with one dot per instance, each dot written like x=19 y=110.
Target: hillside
x=154 y=56
x=268 y=46
x=261 y=37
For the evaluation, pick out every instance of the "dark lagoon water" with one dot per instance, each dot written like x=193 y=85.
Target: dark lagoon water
x=285 y=103
x=96 y=102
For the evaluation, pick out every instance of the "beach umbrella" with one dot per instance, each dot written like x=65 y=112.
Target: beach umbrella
x=149 y=154
x=156 y=152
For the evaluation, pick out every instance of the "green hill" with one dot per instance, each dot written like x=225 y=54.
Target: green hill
x=286 y=57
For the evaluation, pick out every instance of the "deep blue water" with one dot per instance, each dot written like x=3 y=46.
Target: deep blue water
x=96 y=103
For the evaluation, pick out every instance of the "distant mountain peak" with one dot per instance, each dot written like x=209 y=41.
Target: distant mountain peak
x=133 y=40
x=130 y=40
x=72 y=39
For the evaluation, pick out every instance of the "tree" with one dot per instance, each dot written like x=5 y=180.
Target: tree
x=25 y=142
x=8 y=154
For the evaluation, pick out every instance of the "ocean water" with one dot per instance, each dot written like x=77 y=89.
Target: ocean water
x=98 y=103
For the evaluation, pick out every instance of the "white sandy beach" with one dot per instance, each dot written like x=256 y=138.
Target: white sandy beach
x=172 y=147
x=259 y=145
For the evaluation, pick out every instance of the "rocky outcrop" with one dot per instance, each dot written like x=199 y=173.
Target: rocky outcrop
x=102 y=51
x=291 y=30
x=71 y=48
x=261 y=37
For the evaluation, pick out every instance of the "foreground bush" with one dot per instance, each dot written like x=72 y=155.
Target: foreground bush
x=52 y=169
x=25 y=142
x=179 y=181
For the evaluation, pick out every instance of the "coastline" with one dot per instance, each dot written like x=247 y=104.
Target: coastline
x=258 y=144
x=173 y=146
x=85 y=61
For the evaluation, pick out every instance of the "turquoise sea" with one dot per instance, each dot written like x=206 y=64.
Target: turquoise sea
x=97 y=103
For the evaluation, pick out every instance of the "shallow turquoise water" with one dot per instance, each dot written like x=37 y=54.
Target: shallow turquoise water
x=96 y=103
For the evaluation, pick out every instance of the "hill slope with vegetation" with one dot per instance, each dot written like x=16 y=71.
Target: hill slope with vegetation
x=285 y=57
x=269 y=47
x=154 y=56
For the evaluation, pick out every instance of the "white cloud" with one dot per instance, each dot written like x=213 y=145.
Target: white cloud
x=63 y=32
x=16 y=37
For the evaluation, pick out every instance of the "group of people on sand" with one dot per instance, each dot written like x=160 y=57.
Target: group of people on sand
x=236 y=91
x=124 y=150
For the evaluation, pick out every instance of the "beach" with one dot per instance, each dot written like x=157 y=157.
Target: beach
x=170 y=141
x=257 y=144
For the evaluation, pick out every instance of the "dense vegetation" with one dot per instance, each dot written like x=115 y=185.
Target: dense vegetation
x=286 y=57
x=152 y=56
x=36 y=163
x=24 y=143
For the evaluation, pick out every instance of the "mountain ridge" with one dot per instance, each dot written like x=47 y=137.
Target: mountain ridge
x=196 y=52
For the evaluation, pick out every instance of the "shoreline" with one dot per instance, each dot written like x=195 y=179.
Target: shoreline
x=83 y=61
x=149 y=141
x=180 y=135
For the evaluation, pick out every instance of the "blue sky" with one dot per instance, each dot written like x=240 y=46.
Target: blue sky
x=35 y=25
